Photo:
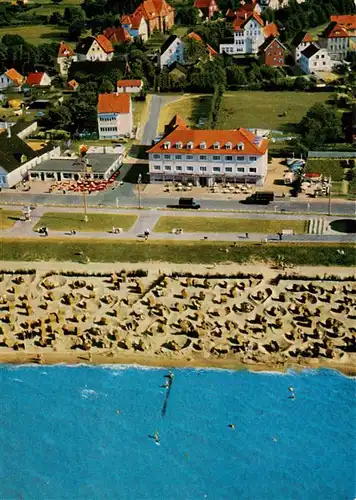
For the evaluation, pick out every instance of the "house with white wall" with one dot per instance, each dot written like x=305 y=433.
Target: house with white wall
x=249 y=34
x=38 y=79
x=17 y=158
x=206 y=8
x=115 y=115
x=129 y=86
x=95 y=49
x=300 y=42
x=136 y=25
x=314 y=59
x=171 y=51
x=335 y=39
x=65 y=57
x=204 y=157
x=11 y=80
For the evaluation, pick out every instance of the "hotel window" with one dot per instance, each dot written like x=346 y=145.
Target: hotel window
x=178 y=157
x=228 y=169
x=216 y=169
x=167 y=167
x=240 y=158
x=167 y=157
x=215 y=157
x=239 y=169
x=190 y=169
x=202 y=169
x=202 y=157
x=156 y=167
x=179 y=168
x=157 y=157
x=252 y=158
x=228 y=158
x=252 y=170
x=189 y=157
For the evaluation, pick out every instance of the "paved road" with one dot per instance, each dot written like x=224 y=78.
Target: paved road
x=150 y=130
x=147 y=220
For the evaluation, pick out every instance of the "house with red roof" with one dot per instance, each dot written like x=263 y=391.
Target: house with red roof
x=150 y=15
x=129 y=86
x=272 y=52
x=115 y=115
x=244 y=11
x=38 y=79
x=207 y=8
x=204 y=157
x=65 y=57
x=211 y=52
x=73 y=85
x=335 y=39
x=250 y=32
x=95 y=49
x=349 y=23
x=300 y=42
x=11 y=80
x=118 y=35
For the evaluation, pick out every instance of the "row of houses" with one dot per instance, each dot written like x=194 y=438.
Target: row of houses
x=12 y=79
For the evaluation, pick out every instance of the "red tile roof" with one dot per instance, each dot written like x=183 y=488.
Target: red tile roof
x=195 y=37
x=150 y=9
x=270 y=30
x=104 y=43
x=65 y=50
x=129 y=83
x=334 y=30
x=126 y=19
x=15 y=76
x=114 y=103
x=347 y=21
x=307 y=38
x=73 y=84
x=210 y=50
x=240 y=23
x=184 y=135
x=34 y=78
x=117 y=35
x=202 y=4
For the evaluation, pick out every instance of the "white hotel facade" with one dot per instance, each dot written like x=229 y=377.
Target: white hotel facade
x=204 y=157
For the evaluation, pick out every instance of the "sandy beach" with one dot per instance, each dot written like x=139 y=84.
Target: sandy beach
x=223 y=316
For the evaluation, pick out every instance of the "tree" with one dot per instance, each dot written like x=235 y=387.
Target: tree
x=106 y=86
x=56 y=18
x=11 y=40
x=320 y=125
x=76 y=29
x=72 y=14
x=194 y=51
x=57 y=2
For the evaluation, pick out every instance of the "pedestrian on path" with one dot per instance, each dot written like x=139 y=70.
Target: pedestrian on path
x=280 y=236
x=146 y=233
x=246 y=234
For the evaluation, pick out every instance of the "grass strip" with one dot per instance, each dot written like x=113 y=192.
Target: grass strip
x=228 y=225
x=61 y=221
x=8 y=218
x=201 y=252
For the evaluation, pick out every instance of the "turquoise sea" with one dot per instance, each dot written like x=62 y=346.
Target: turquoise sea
x=62 y=437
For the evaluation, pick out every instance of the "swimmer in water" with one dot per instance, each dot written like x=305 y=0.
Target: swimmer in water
x=232 y=426
x=291 y=389
x=118 y=412
x=156 y=437
x=275 y=439
x=171 y=375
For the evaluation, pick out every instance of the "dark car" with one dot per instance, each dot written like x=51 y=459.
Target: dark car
x=260 y=198
x=185 y=203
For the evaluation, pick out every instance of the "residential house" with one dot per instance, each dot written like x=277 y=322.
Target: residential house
x=348 y=22
x=207 y=8
x=129 y=86
x=17 y=157
x=244 y=11
x=300 y=42
x=204 y=157
x=11 y=80
x=335 y=39
x=95 y=49
x=73 y=85
x=38 y=79
x=118 y=35
x=211 y=52
x=98 y=163
x=65 y=57
x=114 y=115
x=276 y=4
x=171 y=51
x=136 y=25
x=249 y=34
x=157 y=14
x=272 y=52
x=314 y=59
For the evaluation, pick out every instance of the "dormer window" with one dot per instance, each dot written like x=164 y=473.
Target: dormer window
x=179 y=145
x=228 y=145
x=217 y=145
x=190 y=145
x=203 y=145
x=240 y=146
x=167 y=145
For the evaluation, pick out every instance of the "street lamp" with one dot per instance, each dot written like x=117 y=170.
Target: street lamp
x=139 y=182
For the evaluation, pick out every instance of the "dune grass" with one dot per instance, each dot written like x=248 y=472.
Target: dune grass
x=228 y=225
x=201 y=252
x=8 y=218
x=60 y=221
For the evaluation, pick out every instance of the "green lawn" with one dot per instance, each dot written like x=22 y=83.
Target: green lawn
x=36 y=34
x=251 y=109
x=227 y=225
x=47 y=7
x=8 y=218
x=59 y=221
x=72 y=249
x=326 y=166
x=191 y=107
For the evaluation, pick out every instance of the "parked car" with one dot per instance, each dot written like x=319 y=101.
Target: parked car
x=185 y=203
x=260 y=198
